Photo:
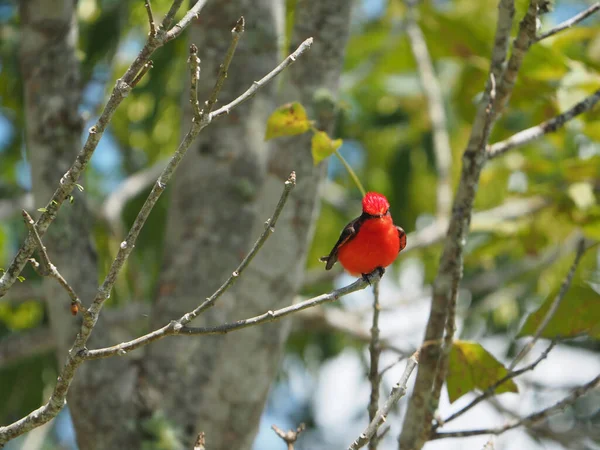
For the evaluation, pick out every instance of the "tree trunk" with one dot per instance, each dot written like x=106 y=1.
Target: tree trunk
x=97 y=399
x=227 y=188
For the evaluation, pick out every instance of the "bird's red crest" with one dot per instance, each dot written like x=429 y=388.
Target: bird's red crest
x=375 y=204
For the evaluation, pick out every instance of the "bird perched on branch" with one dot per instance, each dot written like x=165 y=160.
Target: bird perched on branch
x=370 y=242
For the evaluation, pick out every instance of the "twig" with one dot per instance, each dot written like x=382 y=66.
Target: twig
x=194 y=62
x=192 y=14
x=566 y=284
x=289 y=437
x=433 y=359
x=166 y=23
x=375 y=352
x=77 y=353
x=200 y=441
x=530 y=420
x=569 y=22
x=437 y=115
x=176 y=327
x=150 y=18
x=398 y=391
x=524 y=137
x=236 y=33
x=525 y=37
x=492 y=389
x=47 y=268
x=149 y=65
x=130 y=187
x=223 y=110
x=69 y=180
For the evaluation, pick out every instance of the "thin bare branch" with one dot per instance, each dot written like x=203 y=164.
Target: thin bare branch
x=437 y=115
x=69 y=180
x=200 y=441
x=194 y=62
x=525 y=37
x=176 y=327
x=398 y=391
x=236 y=33
x=47 y=268
x=433 y=359
x=569 y=22
x=375 y=352
x=223 y=110
x=524 y=137
x=289 y=437
x=151 y=21
x=78 y=352
x=145 y=68
x=530 y=420
x=192 y=14
x=492 y=389
x=168 y=20
x=129 y=188
x=564 y=288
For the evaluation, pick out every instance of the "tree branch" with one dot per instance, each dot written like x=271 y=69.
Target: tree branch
x=569 y=22
x=49 y=269
x=530 y=420
x=437 y=115
x=236 y=33
x=398 y=391
x=192 y=14
x=176 y=327
x=289 y=437
x=78 y=351
x=433 y=360
x=566 y=284
x=492 y=389
x=194 y=62
x=375 y=352
x=151 y=17
x=524 y=39
x=524 y=137
x=68 y=181
x=257 y=84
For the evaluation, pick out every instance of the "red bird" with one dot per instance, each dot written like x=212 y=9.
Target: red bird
x=370 y=241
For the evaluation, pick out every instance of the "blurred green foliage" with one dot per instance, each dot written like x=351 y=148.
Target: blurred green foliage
x=383 y=113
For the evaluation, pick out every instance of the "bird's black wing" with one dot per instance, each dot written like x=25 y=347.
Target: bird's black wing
x=402 y=236
x=348 y=233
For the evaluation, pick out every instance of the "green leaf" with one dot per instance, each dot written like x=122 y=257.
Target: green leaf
x=21 y=278
x=71 y=199
x=80 y=187
x=323 y=146
x=42 y=209
x=287 y=120
x=578 y=313
x=471 y=367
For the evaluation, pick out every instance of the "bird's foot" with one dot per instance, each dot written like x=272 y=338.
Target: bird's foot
x=379 y=271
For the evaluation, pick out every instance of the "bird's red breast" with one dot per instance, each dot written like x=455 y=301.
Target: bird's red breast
x=376 y=244
x=370 y=241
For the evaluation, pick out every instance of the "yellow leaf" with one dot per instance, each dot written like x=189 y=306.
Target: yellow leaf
x=287 y=120
x=323 y=146
x=472 y=367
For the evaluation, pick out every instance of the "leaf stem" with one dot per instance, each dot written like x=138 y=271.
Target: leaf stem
x=352 y=173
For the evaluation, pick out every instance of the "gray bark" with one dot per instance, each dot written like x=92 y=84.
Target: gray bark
x=54 y=126
x=221 y=198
